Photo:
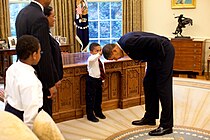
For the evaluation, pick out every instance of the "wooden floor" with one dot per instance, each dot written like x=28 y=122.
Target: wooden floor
x=191 y=108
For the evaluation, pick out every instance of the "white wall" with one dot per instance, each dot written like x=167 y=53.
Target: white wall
x=159 y=18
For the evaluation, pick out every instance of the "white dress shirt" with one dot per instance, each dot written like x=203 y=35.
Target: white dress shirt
x=93 y=65
x=23 y=91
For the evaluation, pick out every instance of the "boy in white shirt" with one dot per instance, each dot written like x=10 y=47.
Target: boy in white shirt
x=23 y=91
x=94 y=82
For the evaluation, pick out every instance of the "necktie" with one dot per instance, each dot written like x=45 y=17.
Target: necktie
x=102 y=74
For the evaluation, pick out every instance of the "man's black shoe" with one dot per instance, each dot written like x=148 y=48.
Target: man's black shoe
x=101 y=115
x=93 y=119
x=161 y=131
x=144 y=121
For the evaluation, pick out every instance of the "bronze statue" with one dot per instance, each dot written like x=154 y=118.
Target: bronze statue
x=182 y=22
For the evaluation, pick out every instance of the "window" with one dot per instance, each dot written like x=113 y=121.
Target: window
x=14 y=7
x=105 y=21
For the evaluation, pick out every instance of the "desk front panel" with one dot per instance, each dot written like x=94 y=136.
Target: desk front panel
x=123 y=87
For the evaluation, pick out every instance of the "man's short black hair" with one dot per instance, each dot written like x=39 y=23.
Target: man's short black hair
x=107 y=50
x=92 y=46
x=26 y=45
x=48 y=10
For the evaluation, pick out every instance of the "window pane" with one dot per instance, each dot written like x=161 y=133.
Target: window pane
x=105 y=21
x=14 y=10
x=93 y=41
x=114 y=40
x=104 y=10
x=116 y=8
x=105 y=29
x=93 y=29
x=92 y=10
x=104 y=42
x=116 y=29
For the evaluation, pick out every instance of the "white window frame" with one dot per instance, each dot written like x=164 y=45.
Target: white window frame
x=98 y=38
x=19 y=1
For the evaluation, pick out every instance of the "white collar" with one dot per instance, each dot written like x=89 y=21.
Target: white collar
x=25 y=66
x=38 y=4
x=119 y=46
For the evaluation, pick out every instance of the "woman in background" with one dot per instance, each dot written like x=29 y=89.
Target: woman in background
x=49 y=12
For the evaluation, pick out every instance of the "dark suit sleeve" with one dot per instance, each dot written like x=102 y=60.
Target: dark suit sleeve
x=46 y=67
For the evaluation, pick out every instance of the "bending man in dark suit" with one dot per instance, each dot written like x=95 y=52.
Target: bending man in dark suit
x=32 y=21
x=158 y=52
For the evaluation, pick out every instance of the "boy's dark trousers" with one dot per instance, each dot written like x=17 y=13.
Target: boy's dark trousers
x=14 y=111
x=93 y=96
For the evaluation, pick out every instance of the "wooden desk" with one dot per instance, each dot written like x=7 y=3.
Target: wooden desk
x=5 y=58
x=123 y=86
x=6 y=53
x=66 y=47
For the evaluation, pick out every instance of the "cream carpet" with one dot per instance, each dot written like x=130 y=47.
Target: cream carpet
x=191 y=110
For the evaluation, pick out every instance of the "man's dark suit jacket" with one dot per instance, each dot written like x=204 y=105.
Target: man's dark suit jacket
x=158 y=52
x=143 y=46
x=32 y=21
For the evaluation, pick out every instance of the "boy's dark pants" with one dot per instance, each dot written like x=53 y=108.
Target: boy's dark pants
x=93 y=96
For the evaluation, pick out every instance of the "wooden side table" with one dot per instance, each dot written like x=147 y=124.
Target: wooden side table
x=189 y=55
x=207 y=75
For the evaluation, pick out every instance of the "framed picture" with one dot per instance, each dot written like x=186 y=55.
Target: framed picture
x=3 y=44
x=57 y=38
x=12 y=41
x=183 y=4
x=62 y=40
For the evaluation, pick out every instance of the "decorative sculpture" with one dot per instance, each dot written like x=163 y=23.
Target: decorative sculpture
x=182 y=22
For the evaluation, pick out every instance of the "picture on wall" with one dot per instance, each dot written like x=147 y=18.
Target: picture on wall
x=182 y=4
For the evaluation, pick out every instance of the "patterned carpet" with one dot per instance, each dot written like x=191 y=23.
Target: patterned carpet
x=179 y=133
